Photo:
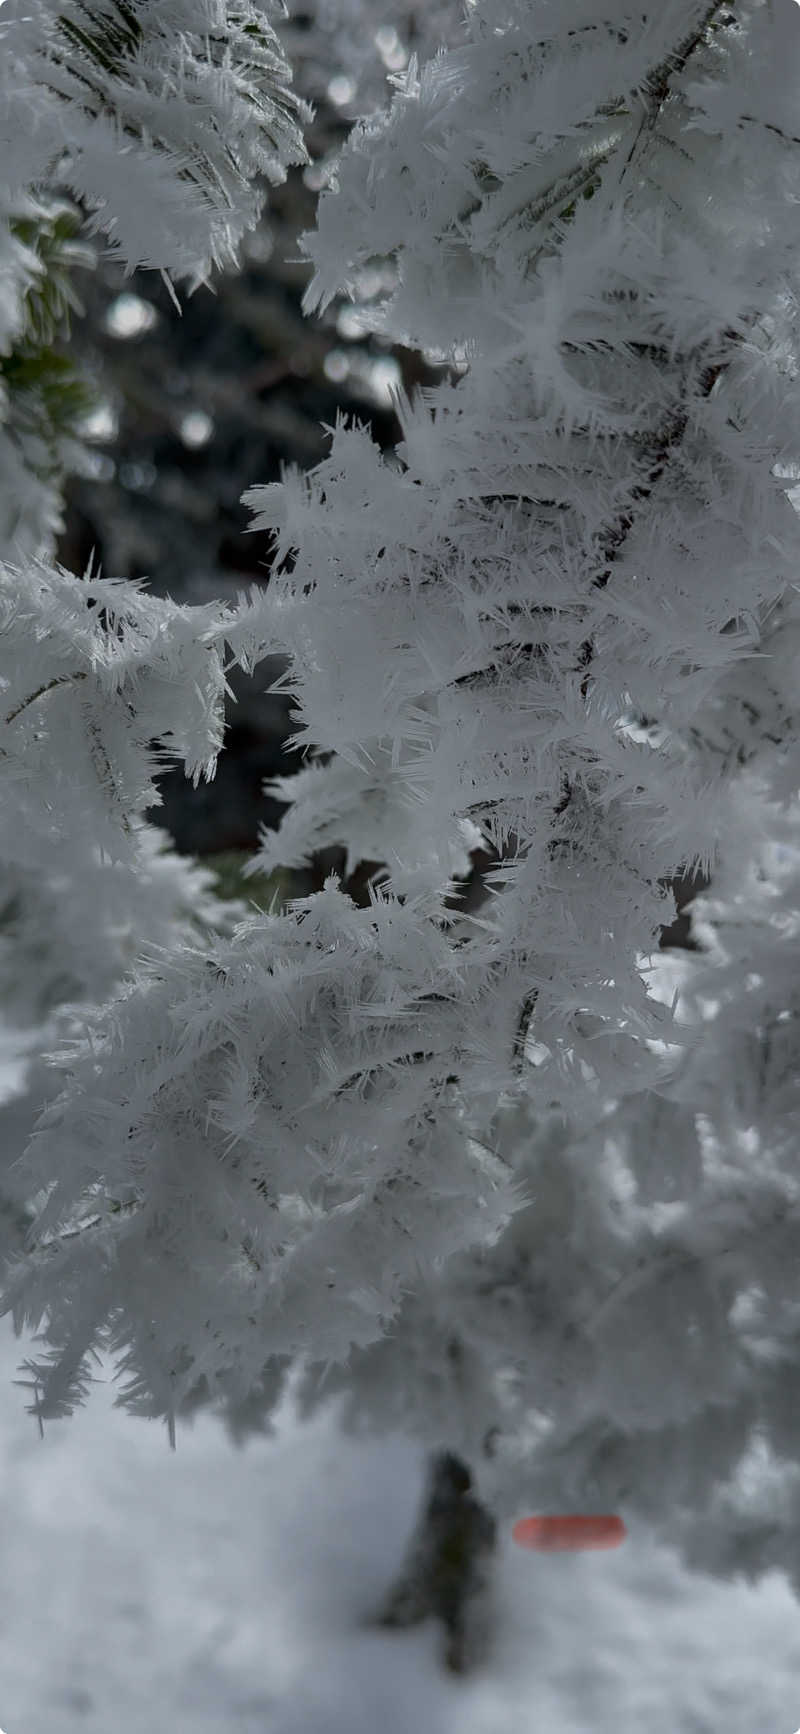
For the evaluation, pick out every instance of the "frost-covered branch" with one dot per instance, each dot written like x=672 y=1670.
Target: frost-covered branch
x=158 y=117
x=612 y=365
x=478 y=1170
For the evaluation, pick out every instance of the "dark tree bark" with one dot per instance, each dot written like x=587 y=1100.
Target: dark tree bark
x=446 y=1575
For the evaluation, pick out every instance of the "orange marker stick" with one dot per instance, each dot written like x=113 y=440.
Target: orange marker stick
x=558 y=1534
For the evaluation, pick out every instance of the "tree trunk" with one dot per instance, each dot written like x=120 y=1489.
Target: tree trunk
x=446 y=1575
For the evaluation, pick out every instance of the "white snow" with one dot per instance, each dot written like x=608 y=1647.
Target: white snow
x=146 y=1592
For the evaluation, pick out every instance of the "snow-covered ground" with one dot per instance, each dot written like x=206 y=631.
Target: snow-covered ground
x=222 y=1591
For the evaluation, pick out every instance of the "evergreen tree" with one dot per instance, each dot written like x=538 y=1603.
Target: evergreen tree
x=473 y=1170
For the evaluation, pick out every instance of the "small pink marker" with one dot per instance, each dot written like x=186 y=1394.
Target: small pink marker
x=561 y=1534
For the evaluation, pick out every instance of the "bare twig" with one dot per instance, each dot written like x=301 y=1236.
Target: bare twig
x=58 y=680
